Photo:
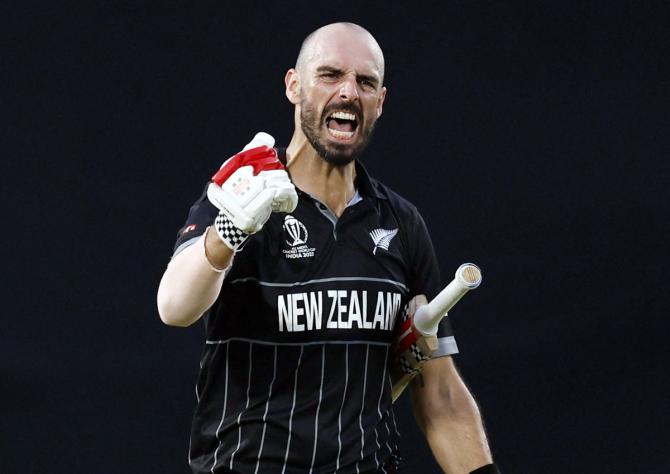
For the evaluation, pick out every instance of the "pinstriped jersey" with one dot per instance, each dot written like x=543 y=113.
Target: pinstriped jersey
x=294 y=373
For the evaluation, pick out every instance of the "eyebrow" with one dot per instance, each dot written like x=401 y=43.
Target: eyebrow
x=331 y=69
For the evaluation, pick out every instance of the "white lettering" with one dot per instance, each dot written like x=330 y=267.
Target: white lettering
x=332 y=324
x=389 y=311
x=379 y=311
x=355 y=311
x=298 y=311
x=365 y=304
x=284 y=313
x=396 y=310
x=313 y=310
x=341 y=309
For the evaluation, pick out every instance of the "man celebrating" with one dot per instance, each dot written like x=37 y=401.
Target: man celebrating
x=301 y=280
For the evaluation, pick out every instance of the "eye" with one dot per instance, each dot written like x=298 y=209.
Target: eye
x=368 y=83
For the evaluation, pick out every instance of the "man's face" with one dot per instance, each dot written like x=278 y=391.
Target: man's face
x=341 y=97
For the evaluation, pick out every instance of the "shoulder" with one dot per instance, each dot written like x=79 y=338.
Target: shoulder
x=413 y=229
x=399 y=205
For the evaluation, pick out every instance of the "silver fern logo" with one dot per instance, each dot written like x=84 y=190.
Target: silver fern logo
x=382 y=238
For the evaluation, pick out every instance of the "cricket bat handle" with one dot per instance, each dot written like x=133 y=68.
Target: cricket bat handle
x=427 y=318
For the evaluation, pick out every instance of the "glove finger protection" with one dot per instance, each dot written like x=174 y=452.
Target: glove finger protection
x=247 y=188
x=286 y=197
x=260 y=208
x=260 y=139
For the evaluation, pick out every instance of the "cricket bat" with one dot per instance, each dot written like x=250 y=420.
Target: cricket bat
x=417 y=335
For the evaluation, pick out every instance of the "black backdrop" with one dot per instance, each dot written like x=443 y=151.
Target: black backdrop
x=533 y=137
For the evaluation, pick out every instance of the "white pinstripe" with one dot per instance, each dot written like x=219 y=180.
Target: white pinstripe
x=239 y=417
x=388 y=430
x=319 y=280
x=197 y=396
x=290 y=418
x=360 y=415
x=339 y=418
x=379 y=411
x=395 y=426
x=267 y=406
x=223 y=413
x=189 y=450
x=318 y=407
x=313 y=343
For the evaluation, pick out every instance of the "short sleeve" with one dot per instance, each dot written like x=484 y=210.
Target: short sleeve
x=200 y=216
x=445 y=339
x=424 y=273
x=424 y=278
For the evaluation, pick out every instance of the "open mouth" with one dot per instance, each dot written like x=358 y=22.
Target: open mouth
x=342 y=125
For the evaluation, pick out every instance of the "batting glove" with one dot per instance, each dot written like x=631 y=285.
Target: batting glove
x=247 y=189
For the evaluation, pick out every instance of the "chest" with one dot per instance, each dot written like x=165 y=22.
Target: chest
x=311 y=277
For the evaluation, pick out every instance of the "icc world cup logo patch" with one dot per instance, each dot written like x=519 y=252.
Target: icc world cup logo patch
x=296 y=231
x=296 y=237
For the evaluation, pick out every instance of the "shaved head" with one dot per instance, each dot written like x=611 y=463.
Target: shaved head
x=314 y=42
x=337 y=88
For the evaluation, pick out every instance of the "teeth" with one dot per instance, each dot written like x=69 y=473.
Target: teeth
x=344 y=116
x=340 y=133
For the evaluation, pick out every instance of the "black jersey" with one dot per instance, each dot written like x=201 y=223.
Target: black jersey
x=294 y=374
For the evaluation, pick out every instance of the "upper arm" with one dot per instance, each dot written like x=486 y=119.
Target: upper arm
x=201 y=215
x=189 y=285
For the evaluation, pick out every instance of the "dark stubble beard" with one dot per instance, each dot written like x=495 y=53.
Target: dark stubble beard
x=338 y=154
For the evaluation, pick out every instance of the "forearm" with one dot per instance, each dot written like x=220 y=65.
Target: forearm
x=458 y=443
x=246 y=190
x=191 y=282
x=449 y=417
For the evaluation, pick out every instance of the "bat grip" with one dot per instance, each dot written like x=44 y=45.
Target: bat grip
x=427 y=317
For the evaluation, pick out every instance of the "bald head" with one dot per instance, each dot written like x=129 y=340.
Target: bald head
x=337 y=89
x=317 y=43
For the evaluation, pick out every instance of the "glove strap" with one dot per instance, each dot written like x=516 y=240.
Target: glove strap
x=233 y=237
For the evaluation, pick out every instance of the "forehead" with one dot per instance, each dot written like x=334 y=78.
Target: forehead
x=346 y=50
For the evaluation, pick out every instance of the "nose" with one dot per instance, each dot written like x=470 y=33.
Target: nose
x=349 y=89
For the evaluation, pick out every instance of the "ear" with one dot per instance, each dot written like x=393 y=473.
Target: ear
x=292 y=81
x=380 y=102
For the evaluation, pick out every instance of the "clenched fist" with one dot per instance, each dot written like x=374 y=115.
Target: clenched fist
x=248 y=188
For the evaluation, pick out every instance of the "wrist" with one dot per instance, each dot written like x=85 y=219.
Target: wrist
x=230 y=235
x=216 y=252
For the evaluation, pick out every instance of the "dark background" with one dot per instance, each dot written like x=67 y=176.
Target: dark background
x=533 y=137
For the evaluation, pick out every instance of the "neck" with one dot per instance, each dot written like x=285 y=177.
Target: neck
x=332 y=185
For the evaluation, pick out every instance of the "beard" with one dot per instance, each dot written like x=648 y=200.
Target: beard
x=338 y=154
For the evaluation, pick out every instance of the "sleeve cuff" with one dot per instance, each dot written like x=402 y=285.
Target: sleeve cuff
x=446 y=346
x=186 y=244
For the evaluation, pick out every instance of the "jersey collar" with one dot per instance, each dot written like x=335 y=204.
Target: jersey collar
x=366 y=186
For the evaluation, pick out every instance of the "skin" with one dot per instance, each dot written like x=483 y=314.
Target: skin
x=449 y=417
x=340 y=67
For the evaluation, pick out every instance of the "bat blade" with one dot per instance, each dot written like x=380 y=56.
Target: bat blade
x=409 y=363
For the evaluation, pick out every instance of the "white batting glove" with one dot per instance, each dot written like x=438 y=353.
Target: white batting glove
x=247 y=188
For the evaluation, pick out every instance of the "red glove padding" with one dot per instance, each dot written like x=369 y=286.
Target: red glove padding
x=252 y=184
